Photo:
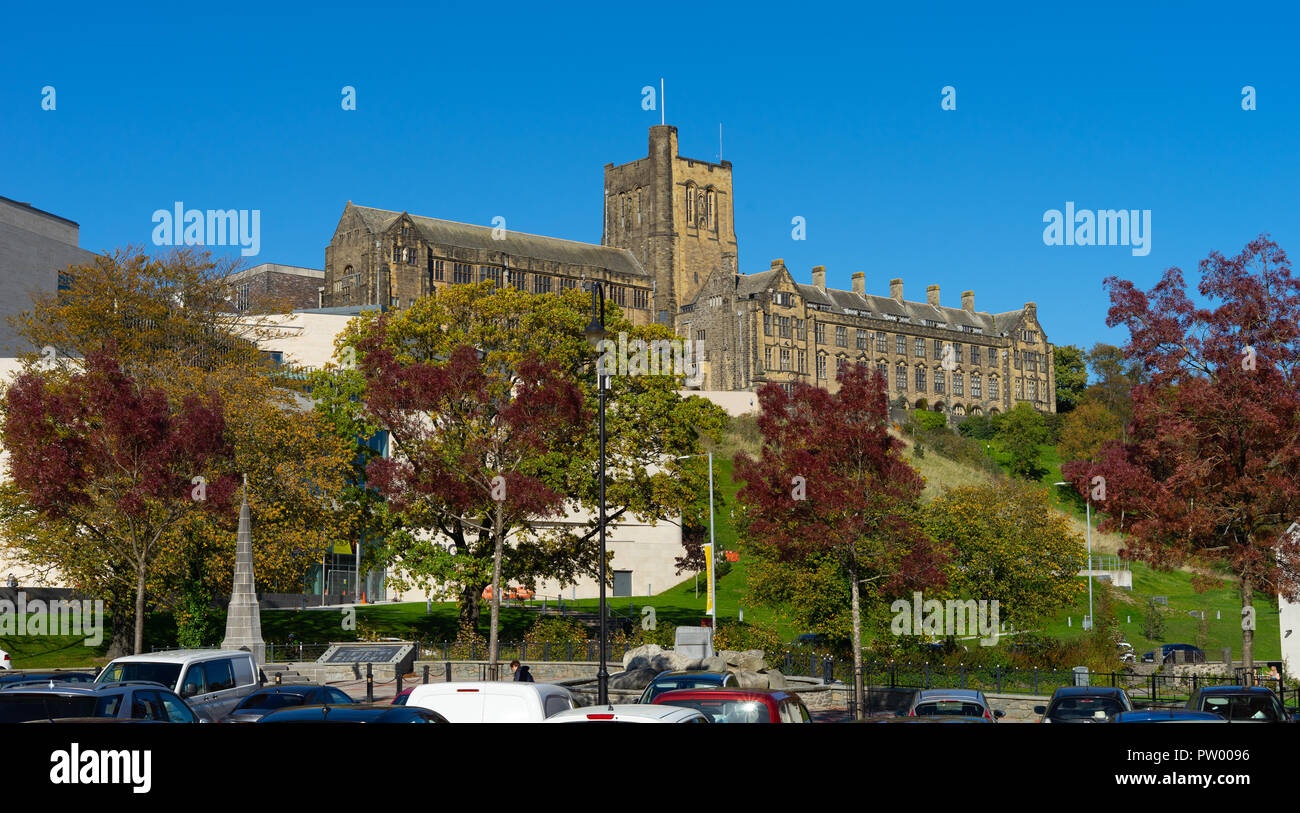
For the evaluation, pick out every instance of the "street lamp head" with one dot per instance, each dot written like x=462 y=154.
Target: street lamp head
x=1060 y=484
x=595 y=333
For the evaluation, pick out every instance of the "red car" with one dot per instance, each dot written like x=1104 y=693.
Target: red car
x=740 y=705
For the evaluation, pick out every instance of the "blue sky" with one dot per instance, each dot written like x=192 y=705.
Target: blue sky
x=829 y=113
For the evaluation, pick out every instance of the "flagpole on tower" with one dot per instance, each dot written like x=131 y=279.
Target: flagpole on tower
x=662 y=112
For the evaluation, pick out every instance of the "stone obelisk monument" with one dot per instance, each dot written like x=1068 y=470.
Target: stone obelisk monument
x=244 y=619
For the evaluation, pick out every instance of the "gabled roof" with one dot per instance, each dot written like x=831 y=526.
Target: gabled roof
x=467 y=235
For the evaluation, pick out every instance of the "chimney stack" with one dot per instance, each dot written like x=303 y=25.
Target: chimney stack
x=778 y=263
x=968 y=301
x=819 y=276
x=932 y=295
x=859 y=282
x=896 y=289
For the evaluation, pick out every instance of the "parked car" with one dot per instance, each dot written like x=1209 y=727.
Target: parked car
x=492 y=701
x=630 y=713
x=740 y=705
x=401 y=697
x=1194 y=654
x=212 y=681
x=1240 y=704
x=273 y=698
x=127 y=700
x=933 y=719
x=1167 y=716
x=5 y=663
x=355 y=713
x=670 y=681
x=953 y=703
x=1084 y=704
x=45 y=677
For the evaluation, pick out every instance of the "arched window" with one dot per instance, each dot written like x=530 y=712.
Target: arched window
x=713 y=211
x=639 y=203
x=690 y=204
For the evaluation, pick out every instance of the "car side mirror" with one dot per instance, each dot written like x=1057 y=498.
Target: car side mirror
x=999 y=713
x=1040 y=709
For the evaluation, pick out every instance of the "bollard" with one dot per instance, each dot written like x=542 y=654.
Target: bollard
x=370 y=684
x=278 y=676
x=426 y=673
x=398 y=670
x=449 y=671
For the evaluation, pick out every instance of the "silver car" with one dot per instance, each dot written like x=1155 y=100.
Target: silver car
x=953 y=703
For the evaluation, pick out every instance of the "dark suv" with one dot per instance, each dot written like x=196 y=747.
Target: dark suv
x=1194 y=654
x=1240 y=704
x=1084 y=704
x=131 y=700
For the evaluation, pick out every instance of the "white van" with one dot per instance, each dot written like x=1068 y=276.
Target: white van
x=212 y=681
x=493 y=702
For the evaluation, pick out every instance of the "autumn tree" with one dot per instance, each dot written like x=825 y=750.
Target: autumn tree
x=167 y=322
x=1114 y=376
x=830 y=480
x=470 y=446
x=113 y=463
x=649 y=426
x=1008 y=544
x=1208 y=476
x=1085 y=430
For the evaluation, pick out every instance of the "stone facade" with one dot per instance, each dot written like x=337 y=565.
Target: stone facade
x=669 y=255
x=391 y=259
x=273 y=288
x=754 y=329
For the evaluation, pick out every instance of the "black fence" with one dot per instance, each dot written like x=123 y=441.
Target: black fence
x=1154 y=690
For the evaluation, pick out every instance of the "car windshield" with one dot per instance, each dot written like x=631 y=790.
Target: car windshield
x=1243 y=707
x=1081 y=708
x=683 y=682
x=271 y=700
x=164 y=673
x=724 y=710
x=22 y=708
x=956 y=708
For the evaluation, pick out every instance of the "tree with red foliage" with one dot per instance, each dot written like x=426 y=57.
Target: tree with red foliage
x=830 y=479
x=470 y=445
x=1209 y=476
x=115 y=461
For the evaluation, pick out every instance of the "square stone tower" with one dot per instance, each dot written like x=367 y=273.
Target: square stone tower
x=676 y=215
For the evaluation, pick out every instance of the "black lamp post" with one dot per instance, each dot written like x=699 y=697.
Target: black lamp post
x=595 y=333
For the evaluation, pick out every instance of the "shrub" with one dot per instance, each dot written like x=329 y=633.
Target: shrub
x=558 y=632
x=739 y=636
x=927 y=421
x=469 y=644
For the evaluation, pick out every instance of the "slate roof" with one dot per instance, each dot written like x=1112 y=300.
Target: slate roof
x=467 y=235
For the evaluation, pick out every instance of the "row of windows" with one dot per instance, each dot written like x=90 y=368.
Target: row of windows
x=788 y=359
x=864 y=339
x=630 y=207
x=941 y=379
x=787 y=327
x=701 y=208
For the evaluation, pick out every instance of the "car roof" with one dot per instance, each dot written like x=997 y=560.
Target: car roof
x=290 y=688
x=1103 y=691
x=55 y=687
x=497 y=687
x=1236 y=690
x=1156 y=715
x=692 y=672
x=725 y=693
x=625 y=712
x=180 y=655
x=363 y=712
x=955 y=694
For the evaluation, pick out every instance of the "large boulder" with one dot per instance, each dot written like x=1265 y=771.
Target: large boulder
x=775 y=680
x=750 y=679
x=714 y=664
x=632 y=679
x=751 y=659
x=651 y=656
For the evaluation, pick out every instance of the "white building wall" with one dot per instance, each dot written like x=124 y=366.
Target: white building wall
x=1289 y=627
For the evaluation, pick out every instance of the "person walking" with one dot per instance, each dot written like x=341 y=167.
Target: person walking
x=522 y=675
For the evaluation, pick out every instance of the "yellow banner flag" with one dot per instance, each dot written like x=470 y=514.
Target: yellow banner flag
x=708 y=563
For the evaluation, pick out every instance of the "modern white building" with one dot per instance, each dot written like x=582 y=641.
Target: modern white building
x=1288 y=622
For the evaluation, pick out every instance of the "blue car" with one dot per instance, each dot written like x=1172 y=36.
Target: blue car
x=671 y=681
x=1167 y=716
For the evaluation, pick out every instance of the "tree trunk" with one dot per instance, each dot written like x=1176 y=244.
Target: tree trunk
x=1247 y=635
x=470 y=595
x=139 y=610
x=858 y=690
x=497 y=541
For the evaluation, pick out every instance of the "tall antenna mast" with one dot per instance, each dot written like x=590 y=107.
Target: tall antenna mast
x=662 y=112
x=719 y=142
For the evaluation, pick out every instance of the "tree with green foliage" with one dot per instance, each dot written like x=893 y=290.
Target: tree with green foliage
x=1071 y=366
x=1115 y=377
x=1008 y=544
x=648 y=426
x=1021 y=432
x=1086 y=430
